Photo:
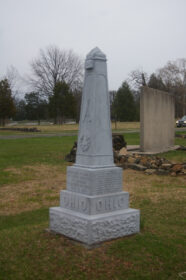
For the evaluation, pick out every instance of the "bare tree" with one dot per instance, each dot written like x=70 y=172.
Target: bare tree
x=137 y=79
x=14 y=79
x=54 y=65
x=173 y=75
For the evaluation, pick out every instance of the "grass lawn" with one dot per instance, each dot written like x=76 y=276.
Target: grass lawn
x=32 y=173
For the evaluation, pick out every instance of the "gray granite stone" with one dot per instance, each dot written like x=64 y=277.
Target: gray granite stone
x=95 y=139
x=156 y=120
x=94 y=208
x=94 y=181
x=93 y=229
x=92 y=205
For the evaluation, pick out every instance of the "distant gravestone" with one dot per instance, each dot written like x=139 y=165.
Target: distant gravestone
x=94 y=208
x=156 y=120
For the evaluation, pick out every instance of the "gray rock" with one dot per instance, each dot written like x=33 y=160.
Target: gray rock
x=162 y=172
x=150 y=171
x=166 y=165
x=138 y=167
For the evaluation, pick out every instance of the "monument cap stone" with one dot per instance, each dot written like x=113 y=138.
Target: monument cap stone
x=96 y=54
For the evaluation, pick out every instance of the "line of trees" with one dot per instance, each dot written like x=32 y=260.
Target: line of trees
x=170 y=78
x=56 y=83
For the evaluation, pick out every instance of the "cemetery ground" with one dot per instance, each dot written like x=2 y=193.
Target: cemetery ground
x=65 y=128
x=32 y=173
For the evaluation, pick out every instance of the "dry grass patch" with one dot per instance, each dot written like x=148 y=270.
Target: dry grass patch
x=41 y=191
x=126 y=125
x=47 y=181
x=52 y=128
x=153 y=187
x=75 y=127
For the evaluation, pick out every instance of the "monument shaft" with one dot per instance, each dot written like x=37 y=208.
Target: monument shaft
x=94 y=208
x=94 y=140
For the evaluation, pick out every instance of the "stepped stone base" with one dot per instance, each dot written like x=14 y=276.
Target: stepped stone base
x=95 y=204
x=93 y=229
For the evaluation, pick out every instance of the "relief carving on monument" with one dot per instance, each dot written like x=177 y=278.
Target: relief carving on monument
x=115 y=228
x=70 y=226
x=85 y=142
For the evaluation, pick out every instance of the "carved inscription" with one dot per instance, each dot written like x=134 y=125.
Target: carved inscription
x=93 y=204
x=85 y=143
x=74 y=202
x=78 y=181
x=107 y=181
x=111 y=204
x=94 y=182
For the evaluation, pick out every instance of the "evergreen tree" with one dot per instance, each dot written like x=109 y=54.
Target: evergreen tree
x=156 y=82
x=35 y=106
x=7 y=107
x=123 y=107
x=62 y=103
x=20 y=110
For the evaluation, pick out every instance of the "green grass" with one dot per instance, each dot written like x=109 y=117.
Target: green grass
x=52 y=150
x=27 y=251
x=31 y=151
x=132 y=138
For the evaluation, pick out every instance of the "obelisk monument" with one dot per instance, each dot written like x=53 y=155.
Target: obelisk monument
x=94 y=208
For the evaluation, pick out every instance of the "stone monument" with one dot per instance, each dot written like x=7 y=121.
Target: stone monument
x=94 y=208
x=156 y=120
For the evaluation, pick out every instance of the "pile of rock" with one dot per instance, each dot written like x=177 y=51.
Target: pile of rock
x=24 y=129
x=150 y=164
x=71 y=157
x=180 y=136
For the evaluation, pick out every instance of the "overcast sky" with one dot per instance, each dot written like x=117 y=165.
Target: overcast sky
x=133 y=34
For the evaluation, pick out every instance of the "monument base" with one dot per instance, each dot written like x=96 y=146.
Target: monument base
x=93 y=229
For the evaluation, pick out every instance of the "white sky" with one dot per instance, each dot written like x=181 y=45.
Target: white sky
x=133 y=34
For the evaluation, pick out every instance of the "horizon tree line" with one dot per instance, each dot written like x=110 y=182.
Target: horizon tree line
x=57 y=77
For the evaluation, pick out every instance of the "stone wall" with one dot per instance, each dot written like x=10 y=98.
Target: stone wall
x=156 y=120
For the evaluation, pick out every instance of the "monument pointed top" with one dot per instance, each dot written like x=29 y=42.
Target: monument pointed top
x=96 y=53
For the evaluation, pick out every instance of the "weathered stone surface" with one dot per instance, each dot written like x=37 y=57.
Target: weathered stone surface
x=95 y=138
x=166 y=165
x=131 y=160
x=92 y=205
x=162 y=172
x=137 y=166
x=94 y=181
x=123 y=152
x=156 y=120
x=150 y=171
x=176 y=168
x=93 y=229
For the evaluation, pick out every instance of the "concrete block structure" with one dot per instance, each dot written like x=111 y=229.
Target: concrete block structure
x=156 y=120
